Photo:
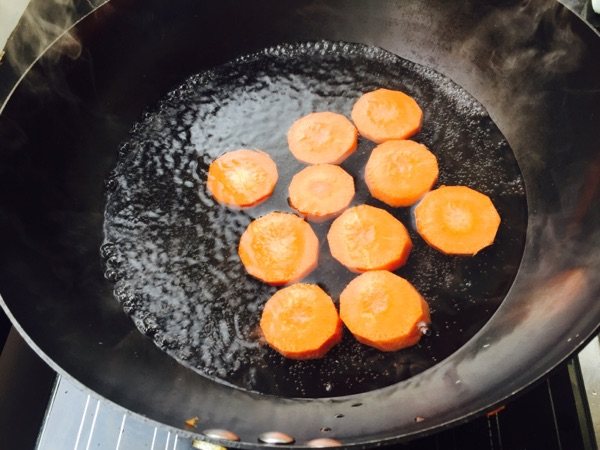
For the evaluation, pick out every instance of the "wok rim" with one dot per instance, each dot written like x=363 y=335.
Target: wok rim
x=242 y=444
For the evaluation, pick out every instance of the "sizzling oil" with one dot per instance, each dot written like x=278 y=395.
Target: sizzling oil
x=172 y=250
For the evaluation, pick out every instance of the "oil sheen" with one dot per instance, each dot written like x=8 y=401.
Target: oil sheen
x=172 y=250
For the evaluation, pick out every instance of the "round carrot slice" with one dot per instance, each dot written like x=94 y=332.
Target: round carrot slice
x=321 y=192
x=301 y=322
x=400 y=172
x=242 y=177
x=322 y=138
x=457 y=220
x=279 y=248
x=368 y=238
x=383 y=310
x=384 y=114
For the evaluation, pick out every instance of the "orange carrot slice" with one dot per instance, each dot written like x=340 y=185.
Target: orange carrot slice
x=322 y=138
x=383 y=310
x=279 y=248
x=457 y=220
x=321 y=192
x=400 y=172
x=301 y=322
x=242 y=177
x=368 y=238
x=384 y=114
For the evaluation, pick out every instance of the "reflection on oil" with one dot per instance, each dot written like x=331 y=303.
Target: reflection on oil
x=173 y=251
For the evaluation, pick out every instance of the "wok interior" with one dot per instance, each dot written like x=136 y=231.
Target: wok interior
x=172 y=249
x=61 y=128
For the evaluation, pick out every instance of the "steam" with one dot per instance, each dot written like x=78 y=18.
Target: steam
x=41 y=24
x=40 y=27
x=524 y=52
x=517 y=31
x=526 y=46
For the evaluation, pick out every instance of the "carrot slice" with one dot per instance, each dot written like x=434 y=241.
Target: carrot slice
x=400 y=172
x=383 y=310
x=279 y=248
x=321 y=192
x=368 y=238
x=384 y=114
x=301 y=322
x=457 y=220
x=242 y=177
x=322 y=138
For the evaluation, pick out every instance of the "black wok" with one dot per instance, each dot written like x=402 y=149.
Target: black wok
x=533 y=65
